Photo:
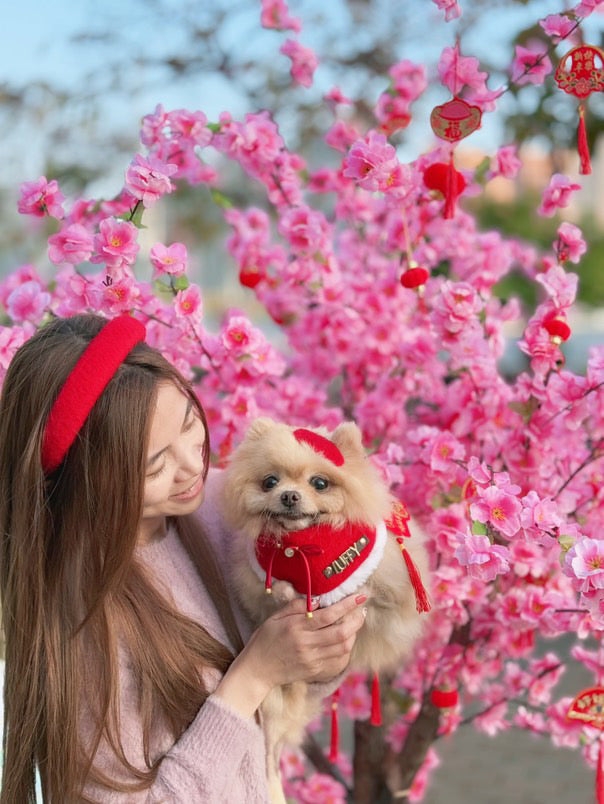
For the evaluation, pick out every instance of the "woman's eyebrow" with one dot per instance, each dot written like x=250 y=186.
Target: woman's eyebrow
x=153 y=458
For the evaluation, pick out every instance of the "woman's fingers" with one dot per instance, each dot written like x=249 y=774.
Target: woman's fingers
x=323 y=618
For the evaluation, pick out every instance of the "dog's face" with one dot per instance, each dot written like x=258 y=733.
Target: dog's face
x=276 y=483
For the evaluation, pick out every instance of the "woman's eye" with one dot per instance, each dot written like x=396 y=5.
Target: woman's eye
x=269 y=482
x=319 y=483
x=157 y=473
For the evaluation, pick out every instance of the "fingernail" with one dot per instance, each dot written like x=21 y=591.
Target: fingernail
x=314 y=602
x=364 y=611
x=360 y=599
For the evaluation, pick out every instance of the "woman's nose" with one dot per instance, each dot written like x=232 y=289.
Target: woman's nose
x=190 y=461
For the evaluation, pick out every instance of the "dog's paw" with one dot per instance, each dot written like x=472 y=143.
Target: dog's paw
x=283 y=592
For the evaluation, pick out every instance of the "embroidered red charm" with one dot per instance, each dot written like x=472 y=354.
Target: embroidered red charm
x=581 y=72
x=588 y=707
x=397 y=521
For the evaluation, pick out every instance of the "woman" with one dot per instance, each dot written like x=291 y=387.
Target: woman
x=126 y=677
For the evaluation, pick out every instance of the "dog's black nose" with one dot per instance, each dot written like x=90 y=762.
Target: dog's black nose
x=290 y=498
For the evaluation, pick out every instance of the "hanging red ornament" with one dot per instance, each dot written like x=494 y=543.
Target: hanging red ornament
x=579 y=73
x=556 y=327
x=249 y=277
x=588 y=707
x=443 y=699
x=414 y=277
x=438 y=177
x=452 y=121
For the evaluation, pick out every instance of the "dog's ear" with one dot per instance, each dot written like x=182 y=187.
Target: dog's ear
x=259 y=428
x=348 y=438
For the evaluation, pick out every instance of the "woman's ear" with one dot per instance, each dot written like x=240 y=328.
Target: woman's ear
x=348 y=438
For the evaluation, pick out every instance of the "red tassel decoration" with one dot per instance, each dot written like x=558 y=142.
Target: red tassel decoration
x=376 y=706
x=585 y=168
x=334 y=751
x=450 y=191
x=600 y=776
x=421 y=596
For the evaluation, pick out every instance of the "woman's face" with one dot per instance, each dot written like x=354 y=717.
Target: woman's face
x=174 y=468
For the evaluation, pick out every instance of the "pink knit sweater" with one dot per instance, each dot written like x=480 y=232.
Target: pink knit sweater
x=221 y=756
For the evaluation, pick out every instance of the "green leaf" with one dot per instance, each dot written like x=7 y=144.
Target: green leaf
x=220 y=199
x=480 y=171
x=137 y=216
x=478 y=529
x=164 y=291
x=214 y=127
x=180 y=282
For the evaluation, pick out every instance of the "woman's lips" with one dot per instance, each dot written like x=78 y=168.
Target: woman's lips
x=191 y=492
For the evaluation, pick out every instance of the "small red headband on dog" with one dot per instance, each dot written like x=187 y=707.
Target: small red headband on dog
x=88 y=379
x=320 y=444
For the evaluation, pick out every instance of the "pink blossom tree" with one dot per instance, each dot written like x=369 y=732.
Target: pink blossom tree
x=505 y=476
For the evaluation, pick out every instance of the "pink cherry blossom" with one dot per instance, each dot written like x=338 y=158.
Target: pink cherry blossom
x=585 y=562
x=499 y=509
x=188 y=303
x=587 y=7
x=335 y=96
x=148 y=178
x=372 y=161
x=557 y=194
x=28 y=302
x=482 y=559
x=560 y=285
x=445 y=450
x=170 y=260
x=450 y=7
x=115 y=244
x=11 y=338
x=40 y=198
x=557 y=25
x=304 y=62
x=570 y=244
x=72 y=244
x=305 y=229
x=531 y=64
x=275 y=14
x=506 y=163
x=457 y=71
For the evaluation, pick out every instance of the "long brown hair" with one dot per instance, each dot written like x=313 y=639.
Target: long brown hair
x=70 y=584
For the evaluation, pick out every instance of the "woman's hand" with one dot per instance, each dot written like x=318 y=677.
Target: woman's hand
x=290 y=647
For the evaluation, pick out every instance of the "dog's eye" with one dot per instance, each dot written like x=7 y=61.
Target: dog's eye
x=269 y=482
x=319 y=483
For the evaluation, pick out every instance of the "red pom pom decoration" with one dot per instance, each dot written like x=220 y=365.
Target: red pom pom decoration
x=414 y=277
x=557 y=328
x=249 y=278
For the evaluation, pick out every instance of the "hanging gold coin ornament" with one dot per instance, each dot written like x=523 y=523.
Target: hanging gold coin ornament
x=452 y=121
x=581 y=72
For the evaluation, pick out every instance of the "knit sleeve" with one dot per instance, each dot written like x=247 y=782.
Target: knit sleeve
x=220 y=758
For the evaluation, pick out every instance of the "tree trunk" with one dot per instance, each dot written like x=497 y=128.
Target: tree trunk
x=370 y=761
x=420 y=737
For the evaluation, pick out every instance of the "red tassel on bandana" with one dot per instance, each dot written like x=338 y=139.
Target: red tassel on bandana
x=376 y=705
x=580 y=72
x=397 y=524
x=334 y=751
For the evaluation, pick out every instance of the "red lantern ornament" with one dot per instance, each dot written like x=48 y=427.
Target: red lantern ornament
x=250 y=277
x=439 y=177
x=581 y=72
x=444 y=699
x=588 y=707
x=557 y=328
x=414 y=277
x=452 y=121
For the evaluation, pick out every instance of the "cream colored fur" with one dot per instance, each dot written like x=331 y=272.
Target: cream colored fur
x=356 y=493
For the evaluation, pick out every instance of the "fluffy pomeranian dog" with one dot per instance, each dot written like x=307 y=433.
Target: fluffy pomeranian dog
x=308 y=512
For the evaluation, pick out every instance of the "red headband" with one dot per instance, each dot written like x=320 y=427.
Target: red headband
x=88 y=379
x=320 y=444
